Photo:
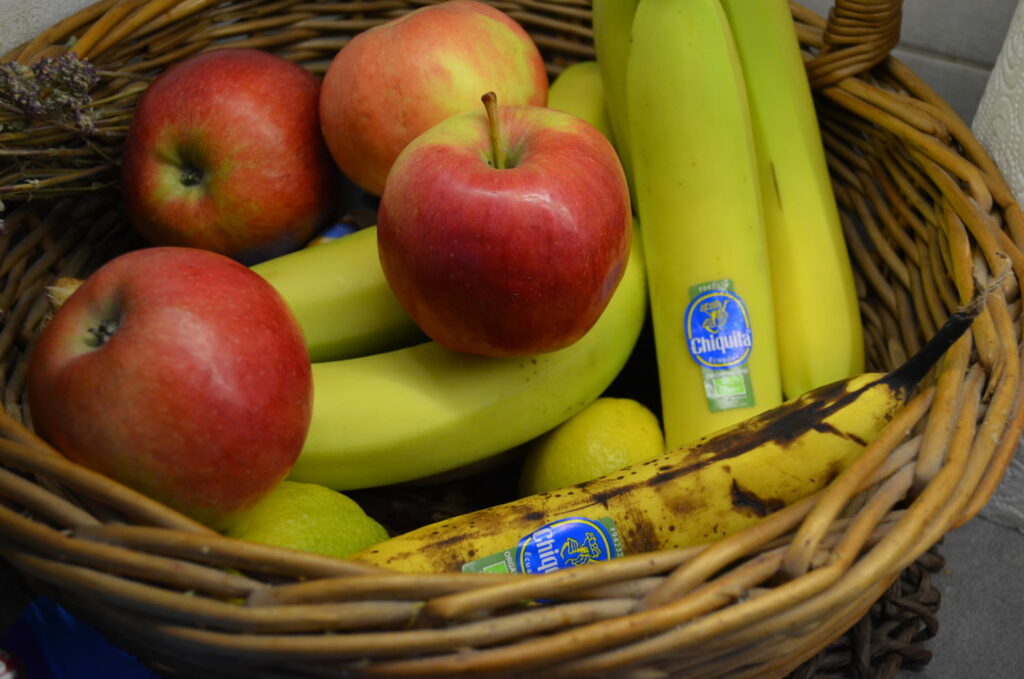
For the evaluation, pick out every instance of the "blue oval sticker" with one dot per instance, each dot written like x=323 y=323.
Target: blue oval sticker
x=717 y=329
x=565 y=543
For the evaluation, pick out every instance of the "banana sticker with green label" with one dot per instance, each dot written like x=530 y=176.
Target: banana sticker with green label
x=561 y=544
x=719 y=339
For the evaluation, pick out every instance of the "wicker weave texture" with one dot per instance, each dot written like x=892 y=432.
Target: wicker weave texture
x=928 y=219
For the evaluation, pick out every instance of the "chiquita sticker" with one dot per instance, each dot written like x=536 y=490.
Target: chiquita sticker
x=565 y=543
x=718 y=336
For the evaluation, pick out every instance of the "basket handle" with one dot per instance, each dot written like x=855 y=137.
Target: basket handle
x=858 y=34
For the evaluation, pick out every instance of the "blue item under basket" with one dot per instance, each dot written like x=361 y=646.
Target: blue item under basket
x=50 y=643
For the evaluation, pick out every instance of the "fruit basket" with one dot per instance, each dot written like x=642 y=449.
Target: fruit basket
x=929 y=221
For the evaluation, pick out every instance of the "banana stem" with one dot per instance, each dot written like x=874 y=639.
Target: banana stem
x=491 y=106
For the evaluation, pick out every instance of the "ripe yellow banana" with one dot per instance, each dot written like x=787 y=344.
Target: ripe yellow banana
x=611 y=21
x=340 y=298
x=423 y=410
x=699 y=202
x=695 y=494
x=579 y=90
x=816 y=312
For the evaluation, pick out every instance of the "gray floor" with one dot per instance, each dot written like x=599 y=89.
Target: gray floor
x=981 y=617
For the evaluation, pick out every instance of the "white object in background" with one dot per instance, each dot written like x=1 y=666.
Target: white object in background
x=21 y=21
x=999 y=126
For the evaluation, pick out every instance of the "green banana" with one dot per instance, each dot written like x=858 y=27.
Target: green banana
x=816 y=312
x=611 y=21
x=340 y=298
x=425 y=409
x=693 y=495
x=698 y=199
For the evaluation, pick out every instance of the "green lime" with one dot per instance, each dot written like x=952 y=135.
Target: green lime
x=311 y=518
x=607 y=435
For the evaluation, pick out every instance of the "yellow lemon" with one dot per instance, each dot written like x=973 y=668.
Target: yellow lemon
x=609 y=434
x=311 y=518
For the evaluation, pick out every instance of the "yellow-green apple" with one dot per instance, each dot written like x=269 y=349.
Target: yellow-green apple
x=505 y=233
x=224 y=152
x=392 y=82
x=178 y=372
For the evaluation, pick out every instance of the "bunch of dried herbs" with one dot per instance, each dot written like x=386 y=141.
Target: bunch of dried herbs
x=55 y=135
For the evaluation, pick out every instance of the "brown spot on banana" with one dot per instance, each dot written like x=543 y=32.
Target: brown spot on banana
x=746 y=500
x=638 y=530
x=834 y=469
x=826 y=427
x=687 y=504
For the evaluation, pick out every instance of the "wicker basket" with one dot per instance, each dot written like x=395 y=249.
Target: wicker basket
x=928 y=217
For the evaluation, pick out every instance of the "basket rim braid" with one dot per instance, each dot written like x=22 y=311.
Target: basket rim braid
x=929 y=222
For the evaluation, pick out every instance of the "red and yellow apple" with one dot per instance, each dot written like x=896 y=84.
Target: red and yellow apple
x=224 y=152
x=392 y=82
x=505 y=233
x=178 y=372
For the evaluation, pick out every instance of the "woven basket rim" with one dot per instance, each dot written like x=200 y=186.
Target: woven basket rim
x=905 y=166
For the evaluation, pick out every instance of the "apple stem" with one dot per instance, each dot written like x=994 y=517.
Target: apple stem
x=491 y=105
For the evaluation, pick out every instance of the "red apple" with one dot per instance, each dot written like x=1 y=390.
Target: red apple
x=224 y=153
x=180 y=373
x=393 y=81
x=505 y=234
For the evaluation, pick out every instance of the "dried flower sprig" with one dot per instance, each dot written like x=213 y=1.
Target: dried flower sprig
x=54 y=89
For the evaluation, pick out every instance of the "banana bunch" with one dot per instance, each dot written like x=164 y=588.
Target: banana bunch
x=384 y=415
x=699 y=201
x=692 y=495
x=752 y=292
x=820 y=338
